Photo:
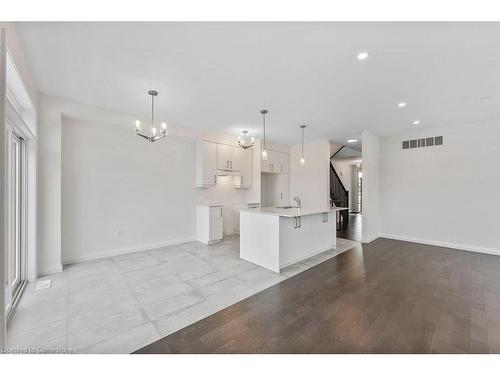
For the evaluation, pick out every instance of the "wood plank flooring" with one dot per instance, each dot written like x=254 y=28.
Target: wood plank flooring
x=385 y=297
x=352 y=231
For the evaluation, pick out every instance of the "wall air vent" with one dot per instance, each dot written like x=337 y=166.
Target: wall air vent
x=422 y=142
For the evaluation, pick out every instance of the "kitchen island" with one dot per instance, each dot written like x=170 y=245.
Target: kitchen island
x=275 y=238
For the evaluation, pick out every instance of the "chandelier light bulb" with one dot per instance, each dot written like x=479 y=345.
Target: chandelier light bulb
x=137 y=125
x=302 y=161
x=264 y=154
x=153 y=132
x=164 y=126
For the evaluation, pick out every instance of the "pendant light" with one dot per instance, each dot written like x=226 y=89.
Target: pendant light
x=155 y=135
x=302 y=160
x=242 y=140
x=264 y=149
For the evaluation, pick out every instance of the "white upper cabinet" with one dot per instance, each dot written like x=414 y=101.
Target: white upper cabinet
x=245 y=178
x=206 y=173
x=228 y=158
x=277 y=162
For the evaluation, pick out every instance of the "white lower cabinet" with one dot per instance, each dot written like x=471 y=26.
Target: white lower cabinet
x=209 y=224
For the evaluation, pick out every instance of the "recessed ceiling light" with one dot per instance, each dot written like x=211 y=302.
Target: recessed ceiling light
x=416 y=122
x=352 y=140
x=402 y=104
x=362 y=55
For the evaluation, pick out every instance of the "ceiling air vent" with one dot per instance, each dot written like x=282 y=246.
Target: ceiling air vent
x=422 y=142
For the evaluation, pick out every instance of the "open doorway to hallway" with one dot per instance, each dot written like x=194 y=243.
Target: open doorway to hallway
x=346 y=182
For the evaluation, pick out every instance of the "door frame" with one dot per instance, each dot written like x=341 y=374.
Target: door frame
x=14 y=292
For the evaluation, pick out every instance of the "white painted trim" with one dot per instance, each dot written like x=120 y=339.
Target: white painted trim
x=451 y=245
x=55 y=268
x=126 y=250
x=370 y=239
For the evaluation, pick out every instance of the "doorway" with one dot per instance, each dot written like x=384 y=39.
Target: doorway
x=16 y=219
x=346 y=186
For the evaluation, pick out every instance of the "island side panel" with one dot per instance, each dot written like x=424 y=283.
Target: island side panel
x=313 y=237
x=259 y=239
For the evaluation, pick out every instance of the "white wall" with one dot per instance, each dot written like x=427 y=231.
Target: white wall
x=311 y=182
x=445 y=195
x=114 y=181
x=3 y=174
x=96 y=177
x=370 y=188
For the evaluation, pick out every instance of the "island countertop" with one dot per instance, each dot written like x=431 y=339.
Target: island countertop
x=292 y=212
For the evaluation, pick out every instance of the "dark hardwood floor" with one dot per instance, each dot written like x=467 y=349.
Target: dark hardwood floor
x=353 y=228
x=385 y=297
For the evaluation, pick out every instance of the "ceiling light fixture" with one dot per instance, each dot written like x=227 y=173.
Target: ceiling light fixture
x=264 y=148
x=302 y=160
x=352 y=140
x=163 y=131
x=362 y=55
x=242 y=142
x=416 y=122
x=402 y=104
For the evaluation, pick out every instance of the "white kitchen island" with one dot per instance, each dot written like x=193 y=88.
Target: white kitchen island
x=275 y=238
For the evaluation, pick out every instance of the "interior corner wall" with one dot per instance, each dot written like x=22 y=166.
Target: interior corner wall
x=443 y=195
x=104 y=191
x=311 y=182
x=370 y=188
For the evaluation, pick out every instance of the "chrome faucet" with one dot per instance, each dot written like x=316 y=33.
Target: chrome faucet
x=297 y=199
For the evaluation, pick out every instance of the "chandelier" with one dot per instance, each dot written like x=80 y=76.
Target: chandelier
x=155 y=134
x=242 y=141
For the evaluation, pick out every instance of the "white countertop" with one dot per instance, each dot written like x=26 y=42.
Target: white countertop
x=292 y=212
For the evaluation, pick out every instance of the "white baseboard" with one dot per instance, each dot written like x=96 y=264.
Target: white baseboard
x=125 y=250
x=370 y=239
x=451 y=245
x=55 y=268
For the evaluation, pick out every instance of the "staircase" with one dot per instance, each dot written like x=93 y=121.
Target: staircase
x=339 y=195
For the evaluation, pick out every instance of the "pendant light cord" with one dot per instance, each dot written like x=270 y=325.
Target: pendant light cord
x=302 y=142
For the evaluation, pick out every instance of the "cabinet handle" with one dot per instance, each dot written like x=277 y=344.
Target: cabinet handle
x=300 y=221
x=231 y=162
x=221 y=212
x=295 y=218
x=215 y=178
x=326 y=217
x=227 y=164
x=281 y=194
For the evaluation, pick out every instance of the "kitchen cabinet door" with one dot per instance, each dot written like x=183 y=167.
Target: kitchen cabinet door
x=216 y=223
x=206 y=164
x=223 y=156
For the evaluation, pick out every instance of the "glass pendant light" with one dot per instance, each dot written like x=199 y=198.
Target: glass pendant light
x=302 y=160
x=264 y=148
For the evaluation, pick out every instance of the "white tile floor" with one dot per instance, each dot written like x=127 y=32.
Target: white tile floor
x=120 y=304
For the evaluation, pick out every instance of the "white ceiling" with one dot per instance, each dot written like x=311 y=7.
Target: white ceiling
x=218 y=76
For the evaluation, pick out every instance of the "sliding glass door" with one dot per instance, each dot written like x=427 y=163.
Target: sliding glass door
x=15 y=220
